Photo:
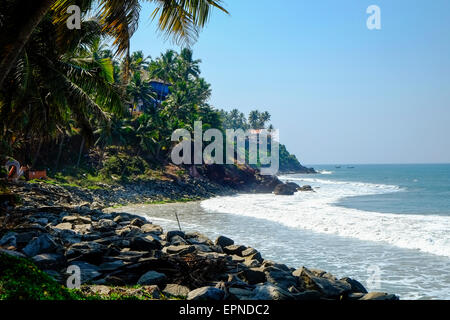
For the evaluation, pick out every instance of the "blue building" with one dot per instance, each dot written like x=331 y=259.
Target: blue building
x=161 y=88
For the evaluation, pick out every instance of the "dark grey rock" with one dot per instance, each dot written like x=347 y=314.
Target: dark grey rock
x=223 y=241
x=173 y=233
x=206 y=294
x=9 y=240
x=270 y=292
x=179 y=250
x=379 y=296
x=88 y=271
x=152 y=278
x=151 y=228
x=146 y=243
x=252 y=276
x=234 y=249
x=328 y=286
x=305 y=188
x=91 y=252
x=42 y=244
x=284 y=190
x=138 y=222
x=176 y=290
x=282 y=279
x=49 y=261
x=356 y=286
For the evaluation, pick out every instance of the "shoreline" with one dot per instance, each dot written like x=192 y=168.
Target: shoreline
x=117 y=250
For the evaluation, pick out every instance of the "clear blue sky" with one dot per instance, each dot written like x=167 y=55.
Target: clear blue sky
x=338 y=92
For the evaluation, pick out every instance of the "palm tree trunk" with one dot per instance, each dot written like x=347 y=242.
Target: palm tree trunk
x=37 y=153
x=59 y=152
x=81 y=151
x=18 y=34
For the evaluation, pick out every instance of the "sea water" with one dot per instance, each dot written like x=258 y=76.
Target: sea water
x=387 y=226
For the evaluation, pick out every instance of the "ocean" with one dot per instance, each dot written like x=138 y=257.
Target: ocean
x=387 y=226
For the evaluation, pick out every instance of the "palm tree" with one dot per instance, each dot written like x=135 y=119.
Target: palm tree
x=253 y=119
x=49 y=87
x=179 y=18
x=164 y=67
x=186 y=66
x=140 y=91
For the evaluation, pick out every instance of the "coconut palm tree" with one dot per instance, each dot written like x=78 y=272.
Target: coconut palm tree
x=49 y=87
x=181 y=19
x=187 y=67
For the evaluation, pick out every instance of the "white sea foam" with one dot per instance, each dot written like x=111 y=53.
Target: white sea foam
x=316 y=211
x=325 y=172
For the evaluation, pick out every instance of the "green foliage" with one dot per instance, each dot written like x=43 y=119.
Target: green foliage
x=20 y=279
x=122 y=166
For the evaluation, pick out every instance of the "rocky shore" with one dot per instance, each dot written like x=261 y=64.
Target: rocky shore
x=123 y=254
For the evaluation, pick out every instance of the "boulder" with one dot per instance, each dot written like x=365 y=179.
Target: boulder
x=138 y=222
x=176 y=290
x=234 y=249
x=179 y=250
x=198 y=238
x=111 y=265
x=9 y=240
x=249 y=251
x=146 y=243
x=151 y=228
x=305 y=188
x=356 y=286
x=379 y=296
x=308 y=295
x=206 y=294
x=241 y=294
x=328 y=286
x=152 y=278
x=282 y=279
x=76 y=220
x=63 y=226
x=270 y=292
x=88 y=271
x=293 y=185
x=252 y=276
x=121 y=218
x=171 y=234
x=88 y=251
x=284 y=190
x=83 y=229
x=177 y=240
x=129 y=231
x=223 y=241
x=42 y=244
x=49 y=261
x=105 y=225
x=12 y=253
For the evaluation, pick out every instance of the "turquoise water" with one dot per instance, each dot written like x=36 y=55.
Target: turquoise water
x=424 y=188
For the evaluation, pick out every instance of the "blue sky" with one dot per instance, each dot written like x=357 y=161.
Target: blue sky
x=338 y=92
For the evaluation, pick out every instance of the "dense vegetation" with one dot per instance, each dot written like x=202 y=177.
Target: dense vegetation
x=67 y=103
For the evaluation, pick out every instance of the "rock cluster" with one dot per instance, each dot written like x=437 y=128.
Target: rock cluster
x=116 y=251
x=289 y=188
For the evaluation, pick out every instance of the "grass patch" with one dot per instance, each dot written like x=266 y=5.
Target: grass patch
x=20 y=279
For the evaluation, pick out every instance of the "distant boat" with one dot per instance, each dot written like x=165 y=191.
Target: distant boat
x=338 y=167
x=350 y=167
